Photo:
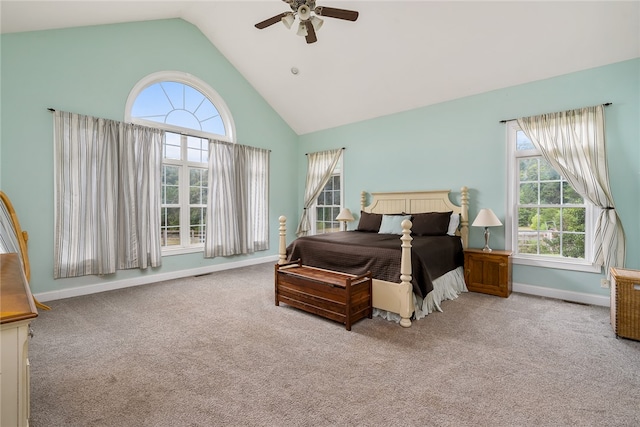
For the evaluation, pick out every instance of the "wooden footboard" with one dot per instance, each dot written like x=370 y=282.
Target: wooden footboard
x=398 y=297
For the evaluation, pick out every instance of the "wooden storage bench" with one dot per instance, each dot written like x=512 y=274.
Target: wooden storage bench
x=342 y=297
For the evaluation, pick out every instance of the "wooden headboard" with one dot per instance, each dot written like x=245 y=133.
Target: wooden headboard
x=418 y=202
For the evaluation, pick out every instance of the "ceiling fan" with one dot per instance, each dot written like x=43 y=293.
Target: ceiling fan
x=307 y=13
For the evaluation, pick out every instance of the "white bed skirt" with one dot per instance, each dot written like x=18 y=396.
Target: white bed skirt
x=445 y=287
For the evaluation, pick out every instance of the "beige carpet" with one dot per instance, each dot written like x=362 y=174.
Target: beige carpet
x=215 y=351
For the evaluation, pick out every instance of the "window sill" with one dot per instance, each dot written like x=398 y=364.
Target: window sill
x=559 y=264
x=182 y=250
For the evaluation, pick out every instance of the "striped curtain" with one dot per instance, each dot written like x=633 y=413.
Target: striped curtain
x=140 y=175
x=319 y=170
x=107 y=195
x=573 y=142
x=237 y=207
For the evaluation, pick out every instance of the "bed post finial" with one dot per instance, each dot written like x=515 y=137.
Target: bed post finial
x=363 y=200
x=282 y=246
x=464 y=216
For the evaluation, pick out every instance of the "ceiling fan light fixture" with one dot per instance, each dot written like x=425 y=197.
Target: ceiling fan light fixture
x=302 y=29
x=288 y=19
x=316 y=22
x=308 y=16
x=304 y=13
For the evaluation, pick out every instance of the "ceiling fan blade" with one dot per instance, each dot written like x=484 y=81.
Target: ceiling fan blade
x=311 y=33
x=270 y=21
x=331 y=12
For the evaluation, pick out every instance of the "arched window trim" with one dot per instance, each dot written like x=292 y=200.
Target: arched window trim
x=194 y=82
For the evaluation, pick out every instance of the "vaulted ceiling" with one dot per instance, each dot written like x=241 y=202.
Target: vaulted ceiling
x=397 y=56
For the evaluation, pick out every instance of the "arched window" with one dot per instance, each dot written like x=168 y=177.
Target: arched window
x=180 y=102
x=190 y=111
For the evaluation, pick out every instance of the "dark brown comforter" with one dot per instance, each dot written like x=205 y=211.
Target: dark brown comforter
x=357 y=252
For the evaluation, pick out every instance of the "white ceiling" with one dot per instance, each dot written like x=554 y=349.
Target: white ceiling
x=397 y=56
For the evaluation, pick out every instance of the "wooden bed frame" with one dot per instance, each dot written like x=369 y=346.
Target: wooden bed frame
x=391 y=296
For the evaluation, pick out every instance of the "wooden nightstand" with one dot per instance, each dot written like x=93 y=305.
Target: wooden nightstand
x=488 y=272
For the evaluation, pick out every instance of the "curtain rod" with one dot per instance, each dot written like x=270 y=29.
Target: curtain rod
x=181 y=133
x=306 y=154
x=606 y=104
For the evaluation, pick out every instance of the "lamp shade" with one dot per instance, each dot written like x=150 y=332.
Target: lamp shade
x=344 y=215
x=486 y=218
x=288 y=19
x=316 y=22
x=302 y=30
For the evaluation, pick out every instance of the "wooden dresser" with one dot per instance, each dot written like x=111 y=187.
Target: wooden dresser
x=17 y=310
x=488 y=272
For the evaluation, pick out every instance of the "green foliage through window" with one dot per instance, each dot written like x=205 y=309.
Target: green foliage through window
x=328 y=207
x=551 y=216
x=193 y=187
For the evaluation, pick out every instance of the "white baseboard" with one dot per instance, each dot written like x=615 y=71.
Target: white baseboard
x=126 y=283
x=137 y=281
x=563 y=295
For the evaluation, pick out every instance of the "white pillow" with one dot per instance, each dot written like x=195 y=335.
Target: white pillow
x=392 y=224
x=454 y=222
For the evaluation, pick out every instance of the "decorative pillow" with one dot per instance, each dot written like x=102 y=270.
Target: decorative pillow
x=369 y=222
x=392 y=224
x=431 y=223
x=454 y=222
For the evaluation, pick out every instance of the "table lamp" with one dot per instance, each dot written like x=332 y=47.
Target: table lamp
x=344 y=216
x=486 y=218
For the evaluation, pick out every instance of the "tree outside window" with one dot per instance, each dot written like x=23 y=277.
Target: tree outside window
x=328 y=207
x=550 y=221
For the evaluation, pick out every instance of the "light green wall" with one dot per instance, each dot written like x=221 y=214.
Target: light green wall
x=461 y=142
x=91 y=70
